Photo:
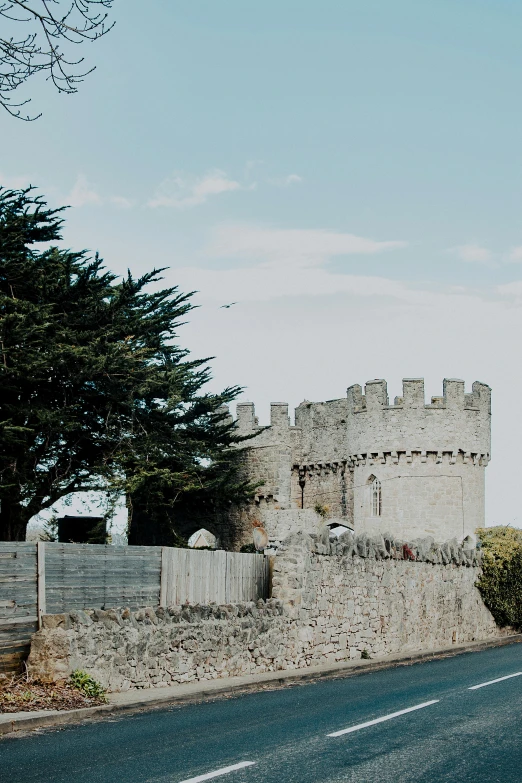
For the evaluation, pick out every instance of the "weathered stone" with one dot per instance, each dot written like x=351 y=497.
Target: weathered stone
x=377 y=548
x=446 y=553
x=324 y=608
x=80 y=618
x=56 y=621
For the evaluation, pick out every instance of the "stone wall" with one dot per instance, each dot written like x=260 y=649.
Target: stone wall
x=331 y=601
x=380 y=595
x=159 y=647
x=279 y=524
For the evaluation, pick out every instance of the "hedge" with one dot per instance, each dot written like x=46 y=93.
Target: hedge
x=501 y=580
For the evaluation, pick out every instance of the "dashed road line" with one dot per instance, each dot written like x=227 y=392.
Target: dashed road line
x=218 y=772
x=384 y=718
x=242 y=764
x=492 y=682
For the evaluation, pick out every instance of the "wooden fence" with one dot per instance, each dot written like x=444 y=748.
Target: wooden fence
x=218 y=577
x=51 y=578
x=94 y=576
x=18 y=602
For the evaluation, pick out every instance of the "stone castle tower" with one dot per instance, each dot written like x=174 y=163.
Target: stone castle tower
x=409 y=468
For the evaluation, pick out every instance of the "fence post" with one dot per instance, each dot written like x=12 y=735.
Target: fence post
x=164 y=576
x=269 y=575
x=40 y=589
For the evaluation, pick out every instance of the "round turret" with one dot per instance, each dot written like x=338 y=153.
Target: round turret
x=419 y=469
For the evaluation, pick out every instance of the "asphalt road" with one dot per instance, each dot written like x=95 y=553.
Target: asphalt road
x=457 y=733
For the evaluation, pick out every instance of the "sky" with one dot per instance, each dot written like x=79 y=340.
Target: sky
x=349 y=173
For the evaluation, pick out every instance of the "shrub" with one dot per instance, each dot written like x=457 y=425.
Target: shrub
x=87 y=685
x=501 y=580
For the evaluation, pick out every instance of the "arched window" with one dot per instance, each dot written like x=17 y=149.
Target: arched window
x=375 y=496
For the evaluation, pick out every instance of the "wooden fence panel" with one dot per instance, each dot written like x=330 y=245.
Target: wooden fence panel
x=202 y=577
x=247 y=577
x=18 y=602
x=94 y=576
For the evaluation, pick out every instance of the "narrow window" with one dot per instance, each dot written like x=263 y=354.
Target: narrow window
x=376 y=500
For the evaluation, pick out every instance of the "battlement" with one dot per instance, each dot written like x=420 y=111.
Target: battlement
x=247 y=421
x=362 y=423
x=453 y=397
x=456 y=420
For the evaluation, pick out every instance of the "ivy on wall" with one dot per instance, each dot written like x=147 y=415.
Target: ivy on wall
x=501 y=580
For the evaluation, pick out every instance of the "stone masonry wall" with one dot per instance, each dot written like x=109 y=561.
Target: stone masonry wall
x=331 y=601
x=366 y=593
x=159 y=647
x=421 y=495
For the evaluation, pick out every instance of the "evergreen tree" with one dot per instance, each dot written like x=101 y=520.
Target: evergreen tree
x=94 y=392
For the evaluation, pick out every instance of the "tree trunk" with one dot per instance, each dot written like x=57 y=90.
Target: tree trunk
x=13 y=521
x=143 y=530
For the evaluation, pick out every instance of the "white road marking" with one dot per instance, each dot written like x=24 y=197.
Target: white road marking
x=218 y=772
x=492 y=682
x=381 y=720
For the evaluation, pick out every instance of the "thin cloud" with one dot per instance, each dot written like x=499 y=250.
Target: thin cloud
x=515 y=254
x=258 y=167
x=263 y=284
x=84 y=193
x=271 y=263
x=513 y=290
x=286 y=182
x=472 y=253
x=121 y=202
x=14 y=183
x=181 y=192
x=291 y=247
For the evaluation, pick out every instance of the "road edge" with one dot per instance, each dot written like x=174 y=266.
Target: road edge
x=215 y=688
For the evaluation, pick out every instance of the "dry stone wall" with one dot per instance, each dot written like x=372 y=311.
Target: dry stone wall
x=159 y=647
x=380 y=595
x=331 y=601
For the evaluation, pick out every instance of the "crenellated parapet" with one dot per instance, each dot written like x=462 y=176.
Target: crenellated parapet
x=454 y=396
x=247 y=421
x=455 y=422
x=268 y=457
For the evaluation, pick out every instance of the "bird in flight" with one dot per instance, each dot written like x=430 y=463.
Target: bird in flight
x=225 y=307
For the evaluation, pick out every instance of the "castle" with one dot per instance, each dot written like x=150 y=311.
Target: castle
x=409 y=469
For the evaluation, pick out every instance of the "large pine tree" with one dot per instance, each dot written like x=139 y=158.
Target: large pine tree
x=95 y=394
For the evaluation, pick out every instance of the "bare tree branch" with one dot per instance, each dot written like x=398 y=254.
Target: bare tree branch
x=50 y=25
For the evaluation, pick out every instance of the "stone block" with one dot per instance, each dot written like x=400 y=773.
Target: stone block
x=51 y=621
